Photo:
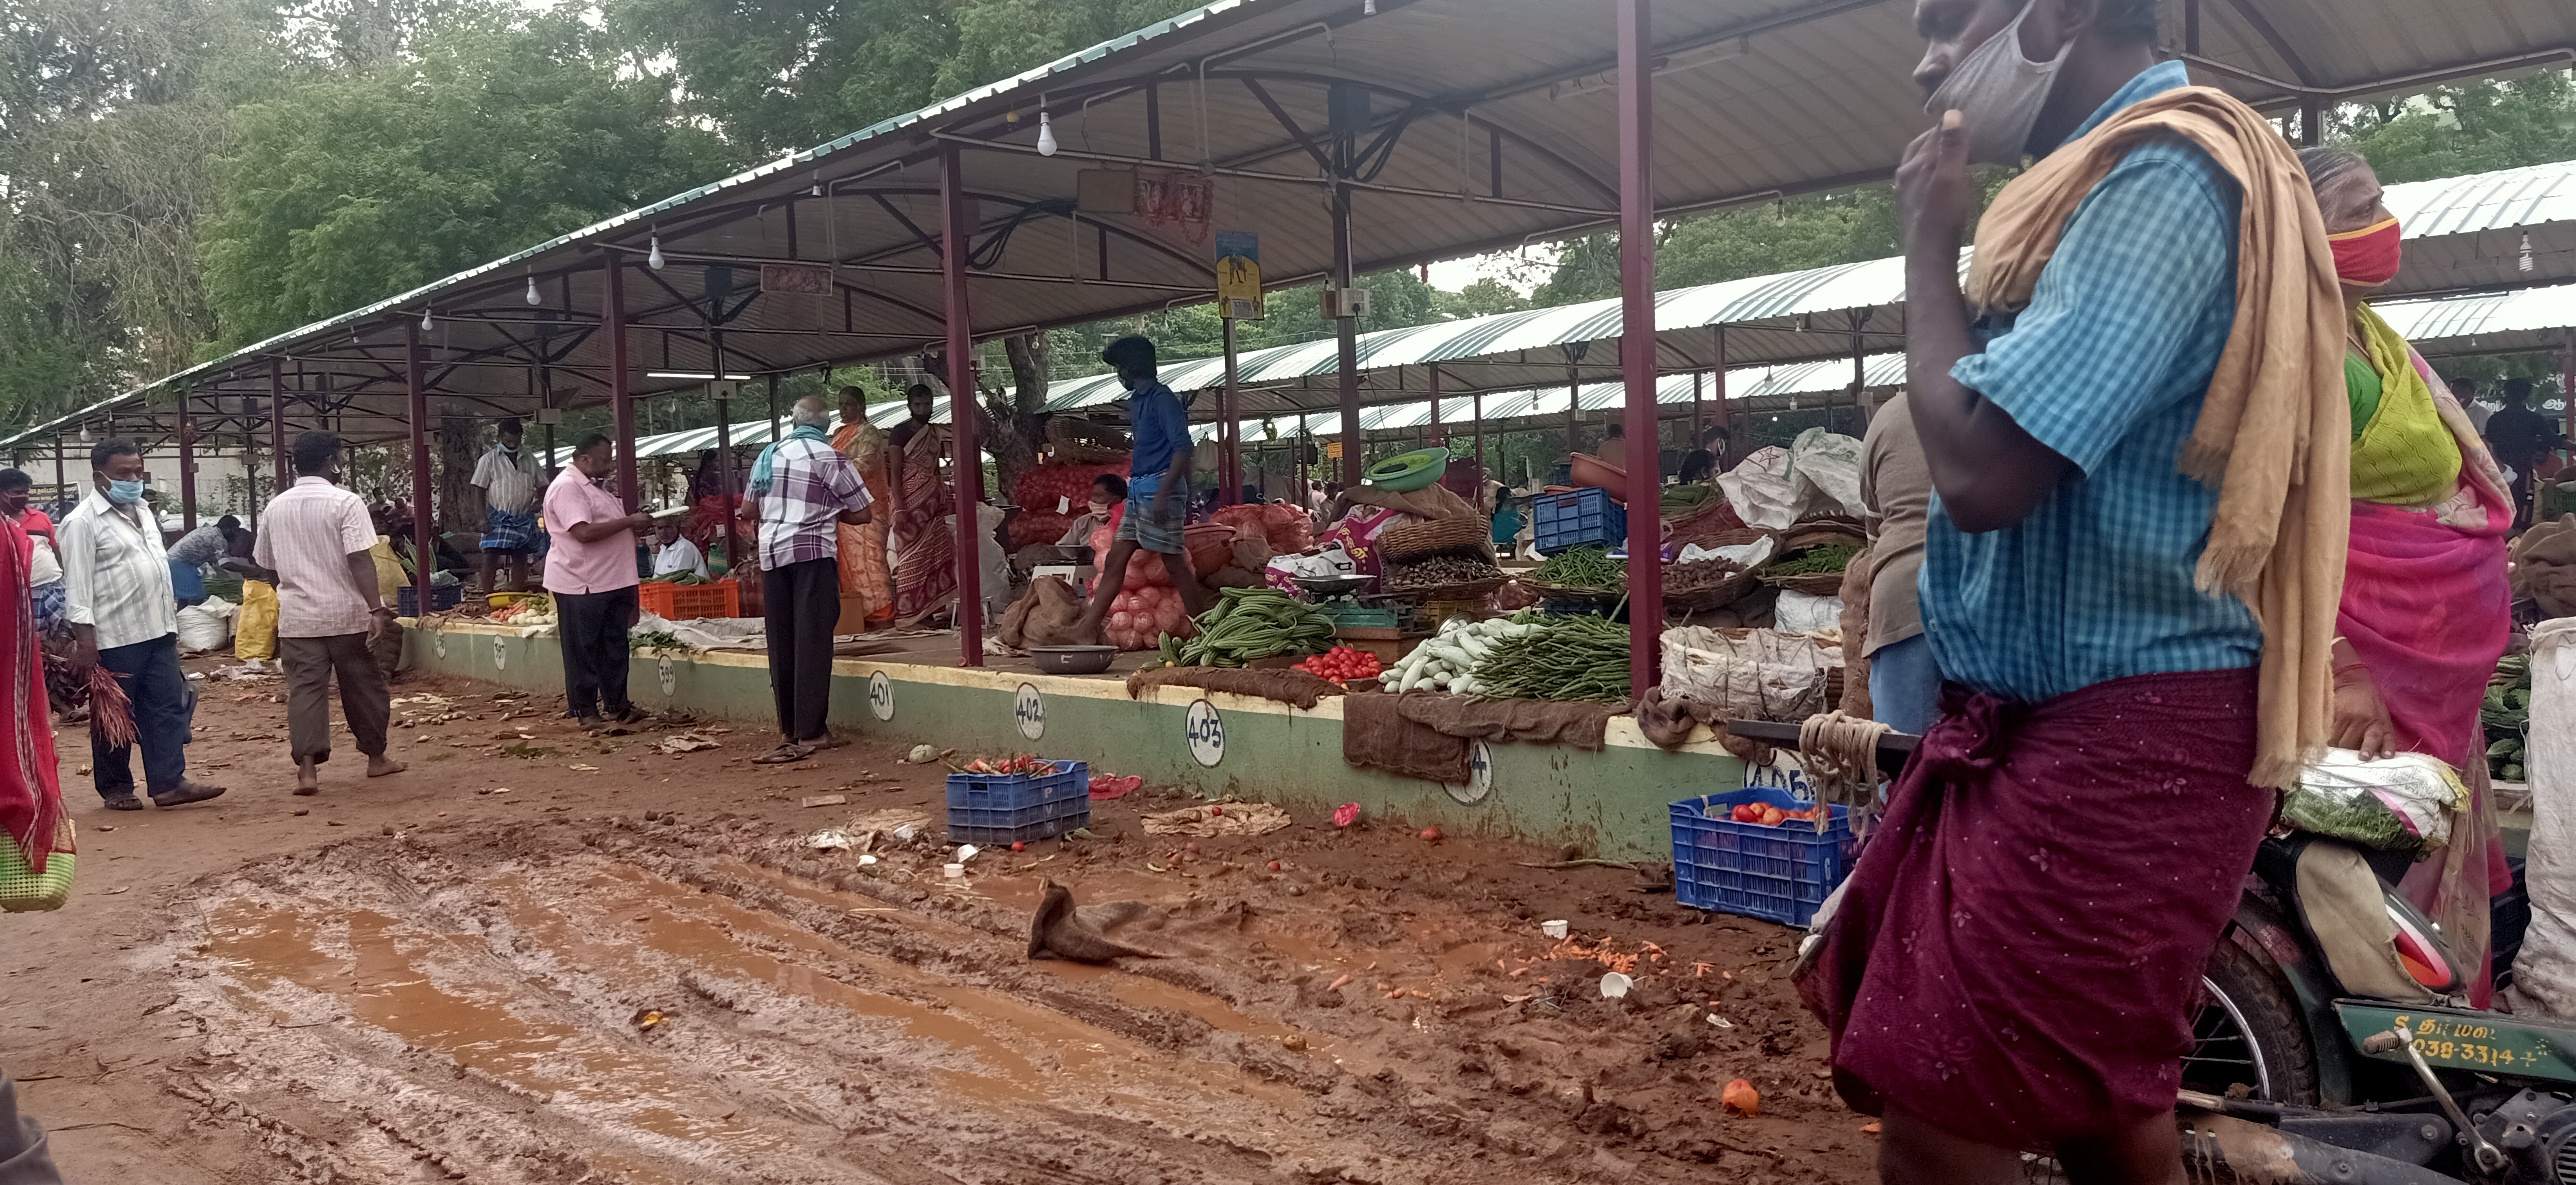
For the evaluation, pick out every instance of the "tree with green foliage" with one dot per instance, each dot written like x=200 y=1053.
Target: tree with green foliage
x=507 y=130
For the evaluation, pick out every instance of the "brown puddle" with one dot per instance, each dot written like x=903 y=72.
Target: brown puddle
x=384 y=984
x=991 y=1026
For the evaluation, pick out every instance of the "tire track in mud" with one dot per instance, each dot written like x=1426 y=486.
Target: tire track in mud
x=393 y=1010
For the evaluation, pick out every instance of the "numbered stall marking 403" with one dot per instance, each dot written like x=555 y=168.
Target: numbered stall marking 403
x=1204 y=729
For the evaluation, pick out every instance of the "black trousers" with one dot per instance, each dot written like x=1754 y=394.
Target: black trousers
x=803 y=603
x=593 y=628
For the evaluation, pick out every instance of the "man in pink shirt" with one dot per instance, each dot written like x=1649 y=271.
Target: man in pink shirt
x=315 y=547
x=590 y=569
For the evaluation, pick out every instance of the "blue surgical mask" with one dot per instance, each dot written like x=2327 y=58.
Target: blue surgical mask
x=124 y=493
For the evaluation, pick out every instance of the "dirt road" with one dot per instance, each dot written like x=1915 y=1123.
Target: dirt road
x=547 y=958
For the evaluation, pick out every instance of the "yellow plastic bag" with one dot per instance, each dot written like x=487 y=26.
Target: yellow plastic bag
x=256 y=636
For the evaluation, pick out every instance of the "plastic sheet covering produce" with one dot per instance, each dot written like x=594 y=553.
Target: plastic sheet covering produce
x=1749 y=674
x=1826 y=468
x=2404 y=801
x=2544 y=974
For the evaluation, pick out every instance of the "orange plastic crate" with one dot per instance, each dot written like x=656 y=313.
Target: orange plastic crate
x=681 y=602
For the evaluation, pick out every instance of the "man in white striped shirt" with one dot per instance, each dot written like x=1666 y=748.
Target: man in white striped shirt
x=507 y=475
x=317 y=545
x=116 y=584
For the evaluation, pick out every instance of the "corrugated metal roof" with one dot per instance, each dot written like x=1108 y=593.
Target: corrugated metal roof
x=1499 y=131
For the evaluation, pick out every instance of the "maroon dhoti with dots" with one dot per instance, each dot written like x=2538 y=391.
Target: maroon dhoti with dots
x=2018 y=949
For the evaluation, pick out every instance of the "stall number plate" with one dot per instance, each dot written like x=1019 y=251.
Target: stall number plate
x=1030 y=710
x=1204 y=729
x=2468 y=1041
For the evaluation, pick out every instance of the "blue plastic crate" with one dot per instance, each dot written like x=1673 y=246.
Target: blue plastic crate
x=441 y=599
x=1012 y=808
x=1779 y=874
x=1580 y=518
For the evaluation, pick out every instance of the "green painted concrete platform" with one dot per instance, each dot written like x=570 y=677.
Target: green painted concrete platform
x=1613 y=803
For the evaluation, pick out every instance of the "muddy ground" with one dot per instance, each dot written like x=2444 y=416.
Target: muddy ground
x=455 y=974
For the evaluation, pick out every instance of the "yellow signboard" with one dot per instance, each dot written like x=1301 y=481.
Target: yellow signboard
x=1333 y=449
x=1238 y=275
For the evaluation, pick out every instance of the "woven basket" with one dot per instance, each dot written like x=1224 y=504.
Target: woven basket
x=21 y=890
x=1436 y=537
x=1738 y=582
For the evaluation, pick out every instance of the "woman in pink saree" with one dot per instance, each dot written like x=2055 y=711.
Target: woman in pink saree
x=2425 y=610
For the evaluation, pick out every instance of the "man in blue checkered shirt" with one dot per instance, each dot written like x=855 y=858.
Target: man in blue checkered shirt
x=801 y=488
x=2014 y=958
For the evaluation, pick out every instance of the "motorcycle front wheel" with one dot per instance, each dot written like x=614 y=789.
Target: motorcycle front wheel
x=2246 y=1032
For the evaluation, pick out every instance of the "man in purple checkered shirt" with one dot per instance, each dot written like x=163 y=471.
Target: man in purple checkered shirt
x=801 y=488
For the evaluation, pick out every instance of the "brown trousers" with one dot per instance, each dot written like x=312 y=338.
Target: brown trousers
x=364 y=698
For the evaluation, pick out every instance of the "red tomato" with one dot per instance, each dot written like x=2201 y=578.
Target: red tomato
x=1746 y=812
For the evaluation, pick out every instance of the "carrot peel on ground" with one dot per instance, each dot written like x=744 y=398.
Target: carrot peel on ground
x=1339 y=984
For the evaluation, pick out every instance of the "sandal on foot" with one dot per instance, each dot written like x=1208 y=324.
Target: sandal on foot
x=786 y=752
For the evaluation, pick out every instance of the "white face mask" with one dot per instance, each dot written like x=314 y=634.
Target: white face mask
x=2000 y=92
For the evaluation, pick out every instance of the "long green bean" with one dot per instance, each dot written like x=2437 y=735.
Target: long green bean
x=1584 y=567
x=1575 y=658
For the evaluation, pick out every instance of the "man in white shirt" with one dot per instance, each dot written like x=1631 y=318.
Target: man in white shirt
x=318 y=547
x=116 y=584
x=674 y=553
x=508 y=478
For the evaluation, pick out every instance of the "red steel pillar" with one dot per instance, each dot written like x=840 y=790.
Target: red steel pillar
x=1637 y=338
x=621 y=400
x=1229 y=470
x=953 y=234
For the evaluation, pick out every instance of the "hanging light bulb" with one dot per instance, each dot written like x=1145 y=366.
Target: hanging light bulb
x=533 y=298
x=2526 y=253
x=653 y=258
x=1368 y=7
x=1046 y=134
x=427 y=322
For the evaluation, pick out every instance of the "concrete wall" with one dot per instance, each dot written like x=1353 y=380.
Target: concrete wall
x=1613 y=803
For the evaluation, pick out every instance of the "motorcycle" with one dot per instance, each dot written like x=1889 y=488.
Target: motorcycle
x=2294 y=1079
x=2288 y=1064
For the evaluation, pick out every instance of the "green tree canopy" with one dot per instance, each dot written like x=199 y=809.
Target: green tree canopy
x=507 y=130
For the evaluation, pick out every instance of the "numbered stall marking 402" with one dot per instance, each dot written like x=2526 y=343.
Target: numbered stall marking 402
x=1029 y=710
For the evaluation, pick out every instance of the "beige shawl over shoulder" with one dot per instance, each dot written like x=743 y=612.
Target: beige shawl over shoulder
x=2274 y=435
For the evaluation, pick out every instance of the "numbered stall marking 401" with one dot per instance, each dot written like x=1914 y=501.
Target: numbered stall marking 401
x=880 y=696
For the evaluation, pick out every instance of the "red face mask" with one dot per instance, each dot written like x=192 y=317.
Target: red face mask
x=2366 y=257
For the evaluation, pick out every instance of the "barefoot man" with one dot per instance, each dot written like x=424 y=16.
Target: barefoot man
x=316 y=545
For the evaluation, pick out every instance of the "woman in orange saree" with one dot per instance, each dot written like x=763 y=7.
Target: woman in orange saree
x=864 y=569
x=925 y=547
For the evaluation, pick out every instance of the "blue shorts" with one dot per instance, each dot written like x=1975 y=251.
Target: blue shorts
x=1156 y=535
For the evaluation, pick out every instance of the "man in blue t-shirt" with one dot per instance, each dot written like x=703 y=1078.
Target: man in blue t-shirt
x=1158 y=486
